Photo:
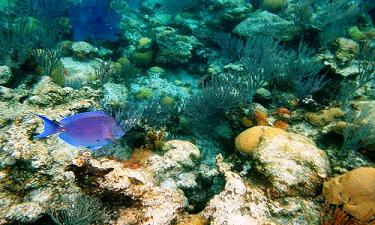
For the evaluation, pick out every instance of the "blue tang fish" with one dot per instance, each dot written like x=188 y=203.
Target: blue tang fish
x=92 y=130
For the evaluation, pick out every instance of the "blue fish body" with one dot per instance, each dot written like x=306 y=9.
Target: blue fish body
x=92 y=130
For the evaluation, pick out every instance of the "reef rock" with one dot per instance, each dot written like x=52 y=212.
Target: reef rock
x=80 y=72
x=83 y=50
x=173 y=47
x=244 y=202
x=262 y=22
x=237 y=204
x=151 y=204
x=355 y=191
x=346 y=50
x=290 y=162
x=115 y=95
x=229 y=10
x=180 y=167
x=32 y=175
x=5 y=74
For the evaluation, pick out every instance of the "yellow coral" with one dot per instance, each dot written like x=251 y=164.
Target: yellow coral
x=124 y=61
x=246 y=122
x=144 y=42
x=142 y=58
x=144 y=93
x=355 y=190
x=194 y=219
x=324 y=117
x=167 y=100
x=274 y=5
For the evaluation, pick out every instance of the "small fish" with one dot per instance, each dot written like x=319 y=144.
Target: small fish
x=92 y=130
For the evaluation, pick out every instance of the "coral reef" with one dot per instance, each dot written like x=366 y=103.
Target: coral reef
x=232 y=111
x=33 y=171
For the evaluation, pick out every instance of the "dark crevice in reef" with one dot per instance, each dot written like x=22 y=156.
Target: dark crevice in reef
x=206 y=190
x=44 y=220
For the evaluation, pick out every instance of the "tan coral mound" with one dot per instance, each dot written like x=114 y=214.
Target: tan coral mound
x=249 y=139
x=355 y=190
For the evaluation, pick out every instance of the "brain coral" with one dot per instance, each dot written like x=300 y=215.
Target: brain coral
x=249 y=139
x=355 y=190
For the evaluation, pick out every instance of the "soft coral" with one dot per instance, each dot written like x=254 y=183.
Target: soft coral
x=93 y=19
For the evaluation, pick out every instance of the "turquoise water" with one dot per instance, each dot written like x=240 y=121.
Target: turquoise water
x=210 y=112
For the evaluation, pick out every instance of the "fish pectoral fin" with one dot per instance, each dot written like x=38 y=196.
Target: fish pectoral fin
x=93 y=148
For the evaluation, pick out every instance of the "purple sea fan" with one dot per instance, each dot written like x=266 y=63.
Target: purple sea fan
x=93 y=19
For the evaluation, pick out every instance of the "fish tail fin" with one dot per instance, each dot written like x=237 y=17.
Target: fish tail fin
x=50 y=127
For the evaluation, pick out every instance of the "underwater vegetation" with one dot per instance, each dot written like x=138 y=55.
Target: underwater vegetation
x=187 y=112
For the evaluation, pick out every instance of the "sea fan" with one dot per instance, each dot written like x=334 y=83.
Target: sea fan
x=93 y=19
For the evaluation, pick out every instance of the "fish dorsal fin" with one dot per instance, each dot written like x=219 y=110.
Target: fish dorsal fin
x=73 y=118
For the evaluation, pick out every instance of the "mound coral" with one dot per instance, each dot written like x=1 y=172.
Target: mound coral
x=249 y=139
x=289 y=162
x=355 y=191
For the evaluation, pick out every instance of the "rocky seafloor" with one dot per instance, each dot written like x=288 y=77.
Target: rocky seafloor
x=237 y=112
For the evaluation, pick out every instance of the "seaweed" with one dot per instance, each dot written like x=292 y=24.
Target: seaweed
x=46 y=11
x=116 y=73
x=105 y=72
x=160 y=115
x=229 y=44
